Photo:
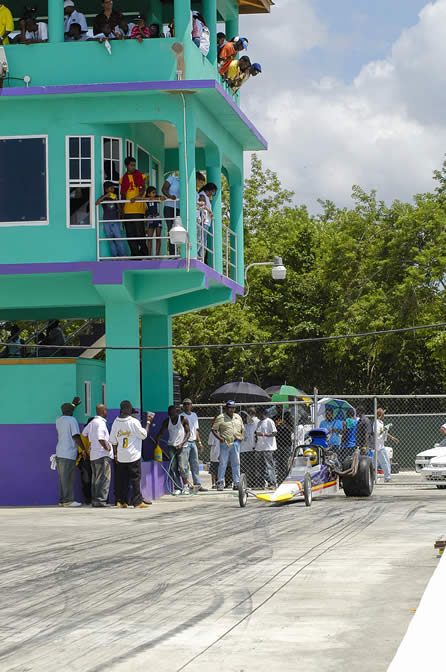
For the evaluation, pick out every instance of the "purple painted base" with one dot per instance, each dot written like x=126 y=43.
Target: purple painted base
x=25 y=475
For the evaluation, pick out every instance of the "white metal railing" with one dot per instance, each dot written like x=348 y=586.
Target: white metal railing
x=205 y=236
x=229 y=247
x=145 y=246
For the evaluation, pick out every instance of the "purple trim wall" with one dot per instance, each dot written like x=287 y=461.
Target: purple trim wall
x=27 y=480
x=121 y=87
x=110 y=272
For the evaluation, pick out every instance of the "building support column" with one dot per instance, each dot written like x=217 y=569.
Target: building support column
x=157 y=365
x=210 y=14
x=182 y=18
x=122 y=367
x=186 y=160
x=236 y=206
x=55 y=21
x=232 y=27
x=213 y=171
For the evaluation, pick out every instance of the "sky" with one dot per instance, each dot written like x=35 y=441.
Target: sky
x=352 y=92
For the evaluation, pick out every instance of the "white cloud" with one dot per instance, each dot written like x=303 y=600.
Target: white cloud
x=386 y=130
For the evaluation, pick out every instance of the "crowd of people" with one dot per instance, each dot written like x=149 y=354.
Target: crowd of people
x=96 y=451
x=142 y=217
x=344 y=436
x=111 y=24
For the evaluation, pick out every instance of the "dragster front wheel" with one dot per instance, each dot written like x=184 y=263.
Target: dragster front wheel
x=243 y=491
x=308 y=490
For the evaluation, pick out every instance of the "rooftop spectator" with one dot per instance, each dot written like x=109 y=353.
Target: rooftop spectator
x=171 y=190
x=54 y=336
x=6 y=24
x=154 y=30
x=73 y=16
x=108 y=15
x=200 y=33
x=123 y=30
x=107 y=33
x=31 y=31
x=238 y=69
x=110 y=223
x=140 y=30
x=221 y=41
x=75 y=34
x=228 y=52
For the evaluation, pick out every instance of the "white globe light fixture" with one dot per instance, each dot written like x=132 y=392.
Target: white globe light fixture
x=278 y=270
x=178 y=234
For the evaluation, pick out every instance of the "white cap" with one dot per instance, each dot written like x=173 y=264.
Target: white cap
x=68 y=3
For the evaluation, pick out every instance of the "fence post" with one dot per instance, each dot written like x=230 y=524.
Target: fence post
x=375 y=438
x=316 y=414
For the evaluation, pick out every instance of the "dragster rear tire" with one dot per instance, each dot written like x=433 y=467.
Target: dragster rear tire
x=308 y=490
x=243 y=491
x=360 y=485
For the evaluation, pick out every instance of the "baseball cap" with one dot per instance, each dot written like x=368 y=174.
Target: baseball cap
x=68 y=3
x=244 y=41
x=187 y=401
x=231 y=404
x=257 y=66
x=140 y=17
x=67 y=407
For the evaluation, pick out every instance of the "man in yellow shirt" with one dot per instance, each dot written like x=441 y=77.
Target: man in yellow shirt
x=132 y=190
x=6 y=24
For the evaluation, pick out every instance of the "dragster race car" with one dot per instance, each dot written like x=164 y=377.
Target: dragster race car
x=315 y=468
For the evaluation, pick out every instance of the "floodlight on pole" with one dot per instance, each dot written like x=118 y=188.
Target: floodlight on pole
x=178 y=234
x=278 y=271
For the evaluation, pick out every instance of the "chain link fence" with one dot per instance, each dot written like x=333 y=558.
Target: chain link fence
x=411 y=425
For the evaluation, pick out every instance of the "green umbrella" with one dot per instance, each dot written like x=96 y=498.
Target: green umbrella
x=286 y=391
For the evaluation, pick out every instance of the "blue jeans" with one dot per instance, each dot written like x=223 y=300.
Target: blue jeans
x=190 y=451
x=118 y=247
x=226 y=453
x=383 y=461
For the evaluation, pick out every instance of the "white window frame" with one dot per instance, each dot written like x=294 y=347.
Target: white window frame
x=80 y=183
x=110 y=137
x=87 y=397
x=158 y=186
x=104 y=394
x=39 y=222
x=143 y=149
x=129 y=148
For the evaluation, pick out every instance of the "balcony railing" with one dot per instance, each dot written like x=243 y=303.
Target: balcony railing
x=116 y=244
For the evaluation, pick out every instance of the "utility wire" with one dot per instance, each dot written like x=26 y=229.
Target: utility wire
x=316 y=339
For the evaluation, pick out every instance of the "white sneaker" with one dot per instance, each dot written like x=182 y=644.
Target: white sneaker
x=73 y=504
x=186 y=490
x=176 y=492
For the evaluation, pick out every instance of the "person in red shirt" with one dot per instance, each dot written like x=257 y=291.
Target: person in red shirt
x=140 y=31
x=132 y=190
x=229 y=51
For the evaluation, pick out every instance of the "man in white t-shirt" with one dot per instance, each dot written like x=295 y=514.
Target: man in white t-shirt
x=266 y=445
x=382 y=434
x=127 y=435
x=100 y=454
x=247 y=447
x=68 y=440
x=73 y=16
x=190 y=450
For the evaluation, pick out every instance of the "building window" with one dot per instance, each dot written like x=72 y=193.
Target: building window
x=80 y=183
x=23 y=201
x=111 y=161
x=87 y=397
x=129 y=148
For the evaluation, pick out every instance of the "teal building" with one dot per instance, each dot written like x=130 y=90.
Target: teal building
x=70 y=114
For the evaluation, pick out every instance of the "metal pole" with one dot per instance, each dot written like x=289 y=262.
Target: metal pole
x=316 y=414
x=375 y=438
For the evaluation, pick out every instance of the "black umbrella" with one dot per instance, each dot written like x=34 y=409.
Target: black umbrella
x=241 y=392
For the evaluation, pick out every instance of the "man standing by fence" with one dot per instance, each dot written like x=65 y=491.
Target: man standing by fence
x=229 y=430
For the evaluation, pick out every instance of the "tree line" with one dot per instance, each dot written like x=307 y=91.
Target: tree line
x=365 y=268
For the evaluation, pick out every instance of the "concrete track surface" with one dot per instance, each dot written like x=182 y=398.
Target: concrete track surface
x=196 y=583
